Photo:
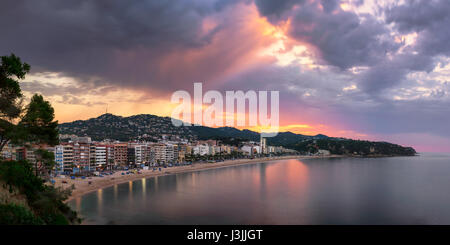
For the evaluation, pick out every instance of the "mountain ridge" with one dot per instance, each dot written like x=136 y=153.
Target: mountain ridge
x=142 y=123
x=148 y=127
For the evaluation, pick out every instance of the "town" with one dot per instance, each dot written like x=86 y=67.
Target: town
x=81 y=156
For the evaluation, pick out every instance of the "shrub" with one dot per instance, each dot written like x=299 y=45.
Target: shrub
x=11 y=214
x=47 y=202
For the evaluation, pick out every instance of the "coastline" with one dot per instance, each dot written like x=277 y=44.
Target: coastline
x=82 y=186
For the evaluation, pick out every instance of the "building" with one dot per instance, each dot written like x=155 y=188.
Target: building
x=250 y=150
x=67 y=159
x=141 y=153
x=120 y=154
x=110 y=156
x=323 y=152
x=263 y=145
x=81 y=156
x=182 y=149
x=100 y=156
x=201 y=150
x=188 y=150
x=85 y=139
x=8 y=153
x=164 y=154
x=59 y=159
x=25 y=154
x=131 y=155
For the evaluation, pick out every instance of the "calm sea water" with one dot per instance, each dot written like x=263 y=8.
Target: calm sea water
x=399 y=190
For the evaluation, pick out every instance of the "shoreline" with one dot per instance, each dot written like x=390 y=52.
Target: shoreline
x=82 y=186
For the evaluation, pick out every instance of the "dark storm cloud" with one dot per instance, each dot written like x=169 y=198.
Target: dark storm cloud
x=329 y=5
x=64 y=25
x=307 y=96
x=430 y=19
x=342 y=38
x=275 y=9
x=108 y=44
x=392 y=72
x=120 y=42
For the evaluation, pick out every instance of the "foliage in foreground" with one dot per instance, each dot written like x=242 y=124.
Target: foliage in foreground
x=46 y=202
x=11 y=214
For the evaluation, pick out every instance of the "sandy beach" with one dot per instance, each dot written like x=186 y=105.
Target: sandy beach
x=82 y=186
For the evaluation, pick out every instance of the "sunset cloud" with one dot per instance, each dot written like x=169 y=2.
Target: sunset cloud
x=350 y=68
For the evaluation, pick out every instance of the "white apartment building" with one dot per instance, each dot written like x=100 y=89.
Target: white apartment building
x=164 y=153
x=141 y=153
x=59 y=158
x=67 y=160
x=201 y=150
x=100 y=155
x=247 y=149
x=251 y=149
x=7 y=152
x=263 y=145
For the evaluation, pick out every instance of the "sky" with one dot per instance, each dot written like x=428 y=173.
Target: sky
x=374 y=70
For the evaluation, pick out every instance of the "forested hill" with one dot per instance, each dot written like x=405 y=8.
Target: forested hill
x=153 y=128
x=353 y=147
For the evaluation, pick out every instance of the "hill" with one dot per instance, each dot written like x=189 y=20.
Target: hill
x=353 y=147
x=152 y=128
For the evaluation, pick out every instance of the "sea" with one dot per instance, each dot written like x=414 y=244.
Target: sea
x=323 y=191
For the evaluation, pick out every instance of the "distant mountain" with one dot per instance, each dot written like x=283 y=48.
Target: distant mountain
x=138 y=127
x=338 y=146
x=151 y=127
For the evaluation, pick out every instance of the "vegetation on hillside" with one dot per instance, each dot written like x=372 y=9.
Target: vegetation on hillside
x=45 y=202
x=353 y=147
x=151 y=128
x=139 y=127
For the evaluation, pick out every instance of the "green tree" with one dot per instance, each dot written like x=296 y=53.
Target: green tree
x=36 y=122
x=11 y=70
x=39 y=128
x=36 y=126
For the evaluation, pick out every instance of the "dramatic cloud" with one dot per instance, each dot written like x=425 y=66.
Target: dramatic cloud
x=430 y=19
x=342 y=38
x=369 y=69
x=156 y=44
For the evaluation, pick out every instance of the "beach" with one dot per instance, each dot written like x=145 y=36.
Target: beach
x=82 y=186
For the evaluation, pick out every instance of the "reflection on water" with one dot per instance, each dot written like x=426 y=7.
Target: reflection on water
x=115 y=193
x=100 y=201
x=144 y=189
x=401 y=190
